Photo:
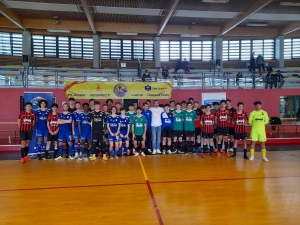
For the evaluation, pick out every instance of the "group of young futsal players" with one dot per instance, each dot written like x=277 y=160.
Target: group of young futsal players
x=111 y=131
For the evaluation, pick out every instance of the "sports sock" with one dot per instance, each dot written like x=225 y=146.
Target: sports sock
x=111 y=152
x=125 y=149
x=245 y=152
x=226 y=146
x=219 y=147
x=44 y=144
x=234 y=151
x=22 y=152
x=252 y=152
x=231 y=144
x=46 y=153
x=76 y=147
x=60 y=150
x=39 y=146
x=215 y=143
x=70 y=150
x=211 y=149
x=263 y=152
x=204 y=148
x=82 y=149
x=26 y=150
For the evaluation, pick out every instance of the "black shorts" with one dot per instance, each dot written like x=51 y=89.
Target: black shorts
x=231 y=131
x=25 y=135
x=52 y=137
x=138 y=138
x=177 y=133
x=167 y=132
x=197 y=131
x=208 y=135
x=106 y=135
x=223 y=131
x=97 y=135
x=215 y=131
x=240 y=136
x=189 y=133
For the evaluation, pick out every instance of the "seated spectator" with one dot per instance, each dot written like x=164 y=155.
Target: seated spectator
x=146 y=76
x=185 y=66
x=178 y=65
x=267 y=80
x=269 y=68
x=280 y=79
x=237 y=78
x=274 y=80
x=159 y=74
x=260 y=62
x=165 y=73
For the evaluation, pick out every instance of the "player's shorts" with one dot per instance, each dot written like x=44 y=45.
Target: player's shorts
x=64 y=135
x=257 y=135
x=42 y=133
x=123 y=138
x=167 y=132
x=177 y=133
x=113 y=138
x=207 y=135
x=215 y=131
x=130 y=136
x=106 y=135
x=97 y=135
x=77 y=134
x=223 y=131
x=86 y=136
x=138 y=138
x=52 y=137
x=197 y=131
x=25 y=135
x=188 y=133
x=231 y=131
x=240 y=136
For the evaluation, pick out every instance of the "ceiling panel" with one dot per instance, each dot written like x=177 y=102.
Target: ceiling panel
x=275 y=7
x=38 y=14
x=77 y=2
x=198 y=5
x=151 y=4
x=126 y=18
x=271 y=24
x=197 y=21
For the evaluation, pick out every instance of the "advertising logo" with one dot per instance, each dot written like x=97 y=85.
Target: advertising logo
x=35 y=101
x=98 y=87
x=147 y=88
x=120 y=90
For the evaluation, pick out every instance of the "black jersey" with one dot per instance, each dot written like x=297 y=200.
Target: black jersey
x=72 y=110
x=97 y=119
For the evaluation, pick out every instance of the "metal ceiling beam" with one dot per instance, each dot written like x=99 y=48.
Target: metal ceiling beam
x=170 y=9
x=85 y=5
x=254 y=6
x=12 y=15
x=290 y=28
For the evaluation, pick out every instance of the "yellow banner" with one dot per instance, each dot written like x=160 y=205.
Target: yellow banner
x=118 y=90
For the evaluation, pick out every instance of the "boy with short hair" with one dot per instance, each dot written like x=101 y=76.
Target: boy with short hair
x=189 y=117
x=139 y=128
x=207 y=123
x=167 y=119
x=86 y=131
x=172 y=105
x=118 y=106
x=178 y=130
x=113 y=126
x=26 y=123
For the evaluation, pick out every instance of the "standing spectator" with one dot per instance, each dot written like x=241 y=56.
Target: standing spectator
x=237 y=78
x=156 y=127
x=252 y=62
x=260 y=62
x=298 y=114
x=185 y=66
x=146 y=76
x=267 y=80
x=274 y=80
x=165 y=72
x=280 y=79
x=178 y=65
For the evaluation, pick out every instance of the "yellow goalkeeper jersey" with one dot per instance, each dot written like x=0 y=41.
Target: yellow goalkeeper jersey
x=258 y=119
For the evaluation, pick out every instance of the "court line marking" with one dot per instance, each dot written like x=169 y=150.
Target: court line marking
x=151 y=193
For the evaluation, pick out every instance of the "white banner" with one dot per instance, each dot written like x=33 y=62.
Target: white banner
x=209 y=98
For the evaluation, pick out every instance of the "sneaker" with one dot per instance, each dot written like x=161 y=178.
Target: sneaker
x=71 y=157
x=158 y=151
x=93 y=158
x=219 y=154
x=27 y=158
x=58 y=158
x=164 y=152
x=203 y=155
x=76 y=155
x=233 y=156
x=215 y=150
x=230 y=150
x=149 y=151
x=136 y=154
x=116 y=156
x=246 y=157
x=105 y=157
x=227 y=154
x=180 y=152
x=251 y=157
x=90 y=156
x=39 y=157
x=133 y=151
x=127 y=152
x=44 y=158
x=23 y=160
x=221 y=150
x=194 y=151
x=212 y=154
x=265 y=159
x=143 y=154
x=154 y=152
x=80 y=158
x=100 y=155
x=169 y=152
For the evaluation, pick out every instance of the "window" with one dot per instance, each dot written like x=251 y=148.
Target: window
x=296 y=48
x=148 y=50
x=196 y=50
x=50 y=46
x=76 y=48
x=38 y=45
x=288 y=48
x=115 y=49
x=138 y=49
x=63 y=47
x=174 y=50
x=127 y=48
x=87 y=48
x=10 y=44
x=5 y=45
x=105 y=48
x=206 y=50
x=268 y=51
x=245 y=49
x=164 y=51
x=185 y=50
x=16 y=44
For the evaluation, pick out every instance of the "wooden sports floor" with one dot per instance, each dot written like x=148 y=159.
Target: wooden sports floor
x=168 y=189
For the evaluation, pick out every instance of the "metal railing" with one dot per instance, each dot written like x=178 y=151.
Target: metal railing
x=215 y=68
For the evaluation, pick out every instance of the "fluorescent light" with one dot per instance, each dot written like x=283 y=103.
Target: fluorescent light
x=190 y=35
x=58 y=31
x=127 y=33
x=290 y=3
x=216 y=1
x=257 y=24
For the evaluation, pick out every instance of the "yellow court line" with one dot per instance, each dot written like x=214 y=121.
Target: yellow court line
x=143 y=169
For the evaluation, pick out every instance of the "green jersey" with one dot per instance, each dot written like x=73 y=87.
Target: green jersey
x=189 y=120
x=131 y=115
x=258 y=120
x=178 y=124
x=105 y=124
x=139 y=125
x=172 y=109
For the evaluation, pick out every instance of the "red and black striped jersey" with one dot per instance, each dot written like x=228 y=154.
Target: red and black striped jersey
x=232 y=111
x=223 y=117
x=27 y=120
x=240 y=121
x=53 y=123
x=208 y=122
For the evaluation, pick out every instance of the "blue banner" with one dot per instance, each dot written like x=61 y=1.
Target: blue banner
x=34 y=98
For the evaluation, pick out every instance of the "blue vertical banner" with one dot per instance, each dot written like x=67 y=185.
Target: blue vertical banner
x=34 y=98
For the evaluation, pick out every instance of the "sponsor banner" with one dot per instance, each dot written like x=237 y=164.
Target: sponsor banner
x=115 y=90
x=209 y=98
x=34 y=98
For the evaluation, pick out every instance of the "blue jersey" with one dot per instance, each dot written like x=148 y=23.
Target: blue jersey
x=148 y=115
x=67 y=126
x=113 y=123
x=42 y=116
x=84 y=120
x=76 y=118
x=125 y=122
x=167 y=119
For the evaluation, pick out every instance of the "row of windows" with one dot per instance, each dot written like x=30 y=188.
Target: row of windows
x=10 y=44
x=292 y=48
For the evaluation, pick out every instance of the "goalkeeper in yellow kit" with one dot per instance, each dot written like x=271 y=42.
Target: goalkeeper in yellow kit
x=258 y=119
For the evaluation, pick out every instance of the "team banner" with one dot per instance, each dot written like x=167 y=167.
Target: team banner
x=34 y=98
x=209 y=98
x=115 y=90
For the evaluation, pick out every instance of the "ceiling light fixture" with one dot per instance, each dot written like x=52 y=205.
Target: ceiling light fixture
x=127 y=33
x=190 y=35
x=58 y=31
x=215 y=1
x=257 y=24
x=290 y=3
